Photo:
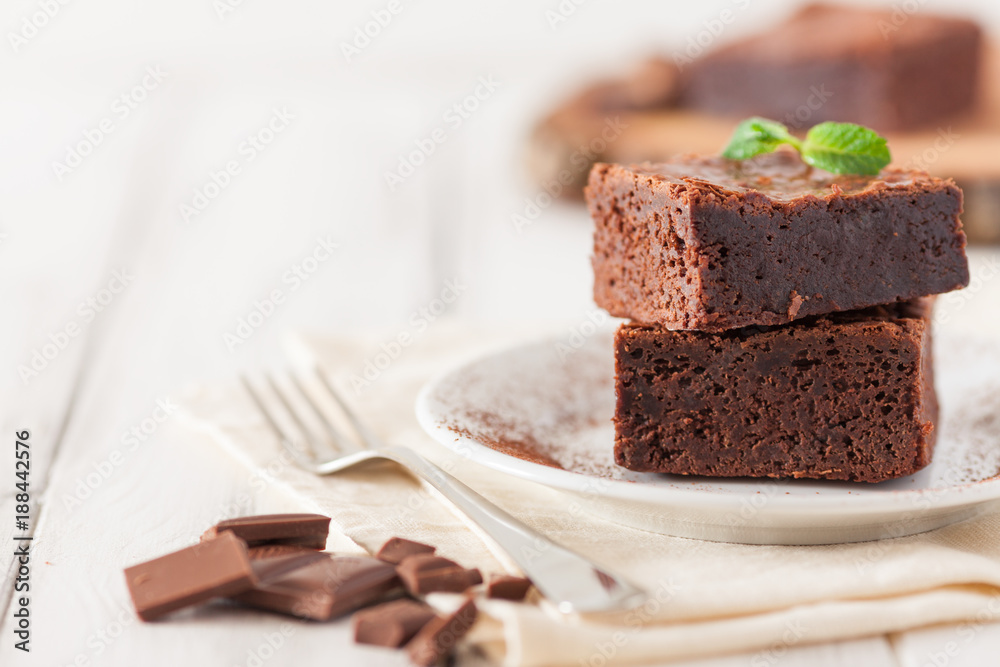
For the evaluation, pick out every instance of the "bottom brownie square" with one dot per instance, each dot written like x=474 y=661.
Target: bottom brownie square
x=845 y=396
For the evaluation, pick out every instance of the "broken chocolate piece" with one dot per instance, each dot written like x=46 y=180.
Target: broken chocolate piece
x=439 y=637
x=398 y=548
x=265 y=551
x=272 y=561
x=425 y=573
x=304 y=530
x=391 y=624
x=506 y=587
x=325 y=589
x=214 y=568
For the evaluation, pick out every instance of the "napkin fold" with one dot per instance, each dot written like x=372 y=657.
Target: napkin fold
x=706 y=598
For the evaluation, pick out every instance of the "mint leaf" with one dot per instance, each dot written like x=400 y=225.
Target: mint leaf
x=755 y=136
x=840 y=148
x=844 y=148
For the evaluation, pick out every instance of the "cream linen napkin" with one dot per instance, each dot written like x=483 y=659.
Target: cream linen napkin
x=708 y=598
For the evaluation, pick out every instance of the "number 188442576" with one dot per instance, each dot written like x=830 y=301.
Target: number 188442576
x=22 y=469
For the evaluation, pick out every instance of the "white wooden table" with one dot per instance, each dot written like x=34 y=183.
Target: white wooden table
x=165 y=171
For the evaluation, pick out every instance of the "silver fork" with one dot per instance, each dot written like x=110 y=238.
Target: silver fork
x=566 y=578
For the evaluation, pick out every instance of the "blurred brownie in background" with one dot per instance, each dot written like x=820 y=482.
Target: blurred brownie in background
x=651 y=85
x=578 y=133
x=686 y=111
x=883 y=68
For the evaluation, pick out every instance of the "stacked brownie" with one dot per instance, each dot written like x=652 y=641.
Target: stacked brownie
x=780 y=325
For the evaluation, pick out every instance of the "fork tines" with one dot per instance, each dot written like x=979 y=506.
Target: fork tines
x=298 y=415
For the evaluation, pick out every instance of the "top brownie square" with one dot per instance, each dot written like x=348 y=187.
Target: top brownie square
x=713 y=244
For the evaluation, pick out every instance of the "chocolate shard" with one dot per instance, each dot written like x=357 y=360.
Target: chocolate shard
x=439 y=637
x=214 y=568
x=424 y=573
x=267 y=551
x=303 y=530
x=325 y=589
x=398 y=548
x=506 y=587
x=272 y=561
x=391 y=624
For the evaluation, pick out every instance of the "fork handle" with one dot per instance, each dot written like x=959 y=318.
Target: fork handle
x=566 y=578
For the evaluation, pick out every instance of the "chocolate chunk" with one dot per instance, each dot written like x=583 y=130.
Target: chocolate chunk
x=325 y=589
x=391 y=624
x=214 y=568
x=267 y=551
x=304 y=530
x=506 y=587
x=473 y=577
x=272 y=561
x=425 y=573
x=397 y=548
x=439 y=637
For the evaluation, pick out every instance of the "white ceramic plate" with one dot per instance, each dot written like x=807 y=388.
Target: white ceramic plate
x=551 y=401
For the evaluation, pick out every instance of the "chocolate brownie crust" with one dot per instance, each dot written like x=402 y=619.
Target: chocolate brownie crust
x=848 y=396
x=714 y=244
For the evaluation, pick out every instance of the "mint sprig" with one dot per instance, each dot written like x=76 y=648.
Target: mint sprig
x=758 y=135
x=840 y=148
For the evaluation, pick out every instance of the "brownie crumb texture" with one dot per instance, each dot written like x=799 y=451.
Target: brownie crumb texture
x=709 y=244
x=846 y=397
